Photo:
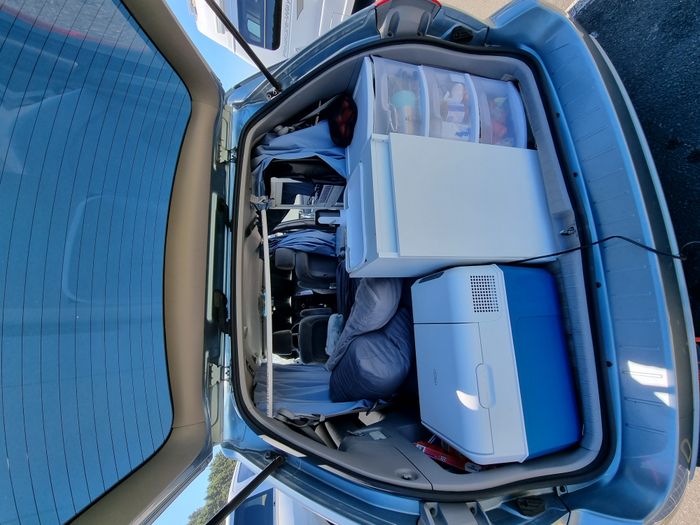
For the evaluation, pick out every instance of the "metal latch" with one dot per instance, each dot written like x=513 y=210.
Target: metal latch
x=226 y=155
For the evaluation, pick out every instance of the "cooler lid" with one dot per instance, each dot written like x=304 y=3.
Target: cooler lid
x=455 y=388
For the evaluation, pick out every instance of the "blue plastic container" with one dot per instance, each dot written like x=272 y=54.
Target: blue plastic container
x=494 y=374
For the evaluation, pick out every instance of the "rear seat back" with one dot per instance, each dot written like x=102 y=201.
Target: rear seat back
x=313 y=271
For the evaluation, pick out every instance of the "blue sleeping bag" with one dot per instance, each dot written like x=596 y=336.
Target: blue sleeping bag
x=375 y=351
x=309 y=241
x=314 y=141
x=376 y=364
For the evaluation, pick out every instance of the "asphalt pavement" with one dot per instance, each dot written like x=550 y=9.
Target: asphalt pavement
x=655 y=48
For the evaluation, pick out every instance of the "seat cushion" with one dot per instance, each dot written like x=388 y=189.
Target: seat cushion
x=315 y=272
x=306 y=312
x=301 y=389
x=284 y=259
x=282 y=343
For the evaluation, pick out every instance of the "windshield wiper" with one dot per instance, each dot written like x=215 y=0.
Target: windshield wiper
x=239 y=38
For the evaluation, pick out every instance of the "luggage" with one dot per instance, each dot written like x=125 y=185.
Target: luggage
x=494 y=377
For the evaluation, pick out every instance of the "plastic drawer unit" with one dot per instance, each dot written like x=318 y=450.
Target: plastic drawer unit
x=501 y=113
x=416 y=203
x=494 y=376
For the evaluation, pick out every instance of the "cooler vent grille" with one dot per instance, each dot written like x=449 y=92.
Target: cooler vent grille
x=484 y=294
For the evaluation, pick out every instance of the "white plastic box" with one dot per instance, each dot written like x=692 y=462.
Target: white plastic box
x=453 y=107
x=400 y=98
x=415 y=204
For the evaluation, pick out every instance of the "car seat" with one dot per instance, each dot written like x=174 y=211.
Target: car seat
x=313 y=271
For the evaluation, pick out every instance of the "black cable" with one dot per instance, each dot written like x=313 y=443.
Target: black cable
x=686 y=245
x=680 y=256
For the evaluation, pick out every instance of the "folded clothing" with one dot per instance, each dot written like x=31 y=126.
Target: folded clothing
x=335 y=328
x=309 y=241
x=314 y=141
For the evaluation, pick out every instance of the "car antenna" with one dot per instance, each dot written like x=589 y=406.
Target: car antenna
x=239 y=38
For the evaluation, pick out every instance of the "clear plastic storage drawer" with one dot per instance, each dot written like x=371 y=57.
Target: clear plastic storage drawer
x=400 y=98
x=453 y=107
x=501 y=113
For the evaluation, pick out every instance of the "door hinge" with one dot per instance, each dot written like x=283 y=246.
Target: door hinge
x=218 y=373
x=227 y=156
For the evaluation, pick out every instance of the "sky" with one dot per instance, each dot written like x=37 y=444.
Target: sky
x=230 y=70
x=186 y=503
x=226 y=65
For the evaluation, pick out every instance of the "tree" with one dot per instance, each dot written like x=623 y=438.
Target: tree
x=220 y=474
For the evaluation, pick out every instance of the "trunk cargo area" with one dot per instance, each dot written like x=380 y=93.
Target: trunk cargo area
x=448 y=204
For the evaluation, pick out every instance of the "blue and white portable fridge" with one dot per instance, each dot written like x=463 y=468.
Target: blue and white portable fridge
x=494 y=375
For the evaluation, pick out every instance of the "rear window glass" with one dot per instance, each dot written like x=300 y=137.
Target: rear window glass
x=92 y=118
x=259 y=22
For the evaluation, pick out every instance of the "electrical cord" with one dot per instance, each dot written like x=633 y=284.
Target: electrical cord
x=680 y=255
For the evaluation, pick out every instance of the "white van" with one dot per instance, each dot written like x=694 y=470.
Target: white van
x=275 y=29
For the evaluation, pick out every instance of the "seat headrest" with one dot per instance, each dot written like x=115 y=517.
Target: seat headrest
x=284 y=259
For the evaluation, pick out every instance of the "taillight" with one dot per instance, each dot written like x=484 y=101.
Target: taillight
x=382 y=2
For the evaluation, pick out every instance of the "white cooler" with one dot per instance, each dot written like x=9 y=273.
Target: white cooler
x=494 y=376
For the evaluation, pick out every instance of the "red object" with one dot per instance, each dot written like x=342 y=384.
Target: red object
x=438 y=454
